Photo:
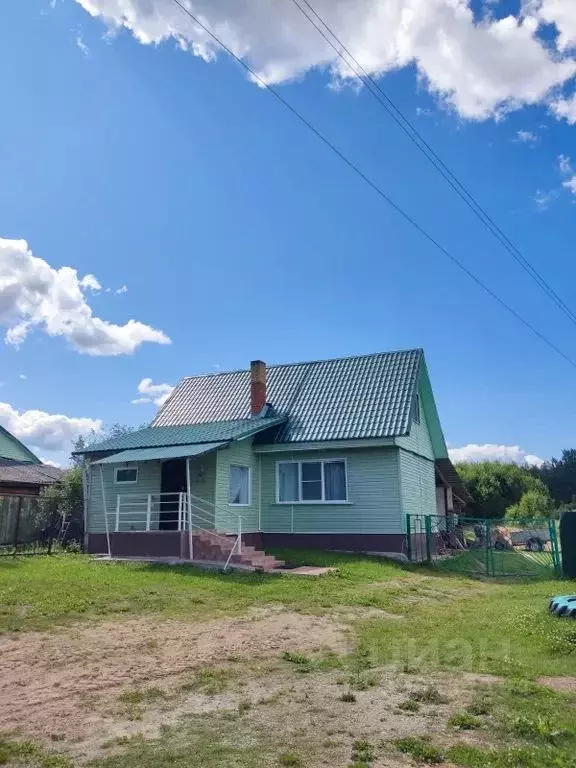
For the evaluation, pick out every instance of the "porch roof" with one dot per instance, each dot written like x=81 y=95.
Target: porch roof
x=165 y=452
x=186 y=435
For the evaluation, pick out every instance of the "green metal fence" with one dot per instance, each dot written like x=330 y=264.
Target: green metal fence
x=489 y=548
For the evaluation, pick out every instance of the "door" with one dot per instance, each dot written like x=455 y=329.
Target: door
x=173 y=481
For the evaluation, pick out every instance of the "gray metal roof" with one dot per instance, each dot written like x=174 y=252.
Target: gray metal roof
x=163 y=452
x=188 y=434
x=367 y=396
x=28 y=473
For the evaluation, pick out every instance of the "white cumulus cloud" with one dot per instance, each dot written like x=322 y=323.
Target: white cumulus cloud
x=34 y=295
x=481 y=67
x=491 y=452
x=561 y=13
x=565 y=167
x=526 y=137
x=50 y=462
x=153 y=393
x=46 y=431
x=565 y=108
x=544 y=199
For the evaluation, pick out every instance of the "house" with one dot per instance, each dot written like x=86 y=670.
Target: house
x=330 y=454
x=22 y=477
x=22 y=474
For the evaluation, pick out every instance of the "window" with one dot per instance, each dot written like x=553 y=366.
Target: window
x=305 y=482
x=239 y=491
x=126 y=475
x=417 y=409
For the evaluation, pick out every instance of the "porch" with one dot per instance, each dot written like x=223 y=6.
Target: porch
x=169 y=508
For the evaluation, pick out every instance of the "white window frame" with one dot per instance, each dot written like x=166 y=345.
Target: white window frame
x=309 y=502
x=249 y=468
x=124 y=482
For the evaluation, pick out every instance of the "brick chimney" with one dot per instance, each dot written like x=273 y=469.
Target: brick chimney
x=257 y=386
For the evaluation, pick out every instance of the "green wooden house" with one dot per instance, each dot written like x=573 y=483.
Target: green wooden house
x=328 y=454
x=22 y=478
x=22 y=474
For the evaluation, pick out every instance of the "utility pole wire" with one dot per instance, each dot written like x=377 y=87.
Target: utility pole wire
x=427 y=150
x=379 y=191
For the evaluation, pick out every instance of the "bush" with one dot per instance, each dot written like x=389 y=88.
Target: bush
x=533 y=504
x=420 y=749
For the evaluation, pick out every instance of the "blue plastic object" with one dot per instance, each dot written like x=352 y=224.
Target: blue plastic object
x=564 y=606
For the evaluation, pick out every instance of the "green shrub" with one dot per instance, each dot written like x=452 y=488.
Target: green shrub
x=362 y=753
x=348 y=696
x=290 y=759
x=409 y=705
x=429 y=695
x=420 y=749
x=464 y=722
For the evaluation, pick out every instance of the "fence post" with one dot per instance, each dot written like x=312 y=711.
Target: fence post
x=148 y=511
x=408 y=538
x=487 y=547
x=428 y=529
x=17 y=523
x=556 y=563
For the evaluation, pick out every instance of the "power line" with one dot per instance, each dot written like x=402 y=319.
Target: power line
x=379 y=191
x=427 y=150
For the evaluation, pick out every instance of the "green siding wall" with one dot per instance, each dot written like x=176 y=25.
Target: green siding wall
x=11 y=448
x=202 y=482
x=237 y=453
x=148 y=482
x=418 y=485
x=383 y=485
x=373 y=491
x=418 y=441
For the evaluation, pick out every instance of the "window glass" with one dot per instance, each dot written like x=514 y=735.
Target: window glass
x=312 y=481
x=239 y=491
x=288 y=481
x=128 y=475
x=335 y=481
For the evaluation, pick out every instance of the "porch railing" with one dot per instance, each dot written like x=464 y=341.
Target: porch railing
x=176 y=512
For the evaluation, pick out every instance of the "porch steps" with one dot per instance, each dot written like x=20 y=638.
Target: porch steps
x=217 y=548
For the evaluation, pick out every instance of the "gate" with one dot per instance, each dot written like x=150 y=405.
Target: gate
x=480 y=547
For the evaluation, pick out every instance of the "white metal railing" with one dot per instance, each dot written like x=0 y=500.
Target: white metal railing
x=176 y=511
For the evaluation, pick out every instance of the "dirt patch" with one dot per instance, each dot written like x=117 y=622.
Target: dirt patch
x=64 y=683
x=364 y=612
x=283 y=710
x=564 y=684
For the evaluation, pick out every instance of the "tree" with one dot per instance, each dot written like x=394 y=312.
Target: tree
x=533 y=504
x=64 y=500
x=559 y=475
x=83 y=442
x=495 y=486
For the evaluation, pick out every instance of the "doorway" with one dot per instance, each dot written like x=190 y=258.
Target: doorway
x=173 y=480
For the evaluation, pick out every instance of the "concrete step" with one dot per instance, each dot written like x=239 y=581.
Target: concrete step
x=217 y=547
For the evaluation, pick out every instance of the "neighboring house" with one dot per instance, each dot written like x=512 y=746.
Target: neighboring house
x=22 y=473
x=22 y=477
x=329 y=454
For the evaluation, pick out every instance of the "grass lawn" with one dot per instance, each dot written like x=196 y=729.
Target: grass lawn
x=413 y=687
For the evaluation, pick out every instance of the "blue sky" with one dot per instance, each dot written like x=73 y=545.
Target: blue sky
x=238 y=235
